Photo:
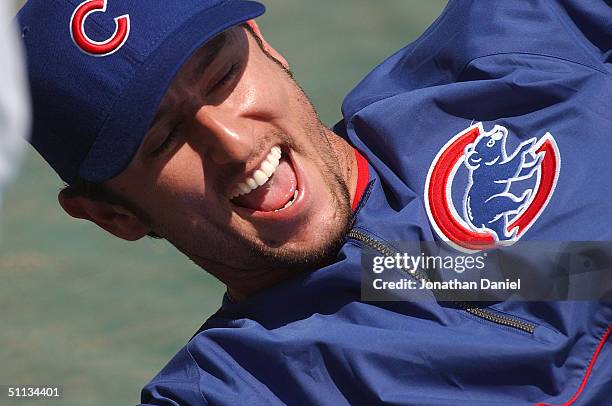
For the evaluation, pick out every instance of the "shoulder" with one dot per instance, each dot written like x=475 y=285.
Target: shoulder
x=178 y=383
x=567 y=31
x=212 y=368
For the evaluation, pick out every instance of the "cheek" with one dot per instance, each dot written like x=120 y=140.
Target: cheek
x=178 y=184
x=183 y=173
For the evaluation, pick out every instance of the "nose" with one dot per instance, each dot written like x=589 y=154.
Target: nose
x=227 y=137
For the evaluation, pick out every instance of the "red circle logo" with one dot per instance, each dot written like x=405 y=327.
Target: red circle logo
x=86 y=44
x=490 y=210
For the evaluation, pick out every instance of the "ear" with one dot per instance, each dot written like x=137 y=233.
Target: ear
x=115 y=219
x=267 y=46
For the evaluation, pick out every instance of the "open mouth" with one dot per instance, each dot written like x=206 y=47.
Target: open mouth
x=270 y=188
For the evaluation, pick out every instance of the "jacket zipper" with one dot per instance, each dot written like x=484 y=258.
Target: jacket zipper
x=470 y=308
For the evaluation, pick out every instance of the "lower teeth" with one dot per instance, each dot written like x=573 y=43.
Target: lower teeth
x=289 y=203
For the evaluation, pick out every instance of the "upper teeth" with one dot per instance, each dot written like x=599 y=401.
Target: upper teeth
x=260 y=176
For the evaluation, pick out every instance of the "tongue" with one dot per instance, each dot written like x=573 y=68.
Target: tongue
x=275 y=193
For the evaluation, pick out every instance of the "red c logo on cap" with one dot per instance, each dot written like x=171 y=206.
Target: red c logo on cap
x=86 y=44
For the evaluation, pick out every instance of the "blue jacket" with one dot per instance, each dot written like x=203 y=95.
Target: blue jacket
x=536 y=69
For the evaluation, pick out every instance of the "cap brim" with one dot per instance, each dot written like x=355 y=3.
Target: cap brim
x=134 y=111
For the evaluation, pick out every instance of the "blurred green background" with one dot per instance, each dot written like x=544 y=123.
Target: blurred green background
x=102 y=316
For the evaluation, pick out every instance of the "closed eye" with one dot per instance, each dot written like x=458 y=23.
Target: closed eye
x=164 y=146
x=227 y=78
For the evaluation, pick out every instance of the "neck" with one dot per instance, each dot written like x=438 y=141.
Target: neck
x=345 y=155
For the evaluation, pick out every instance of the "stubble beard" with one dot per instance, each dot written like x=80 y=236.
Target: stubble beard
x=324 y=251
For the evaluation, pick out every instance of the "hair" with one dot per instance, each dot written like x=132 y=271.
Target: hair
x=99 y=191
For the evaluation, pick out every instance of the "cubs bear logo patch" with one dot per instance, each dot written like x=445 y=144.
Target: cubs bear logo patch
x=479 y=193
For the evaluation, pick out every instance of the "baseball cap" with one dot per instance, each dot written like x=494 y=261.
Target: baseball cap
x=99 y=69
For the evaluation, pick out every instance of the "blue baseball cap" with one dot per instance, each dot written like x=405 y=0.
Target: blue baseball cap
x=99 y=69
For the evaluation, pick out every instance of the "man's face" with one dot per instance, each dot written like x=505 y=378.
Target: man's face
x=228 y=115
